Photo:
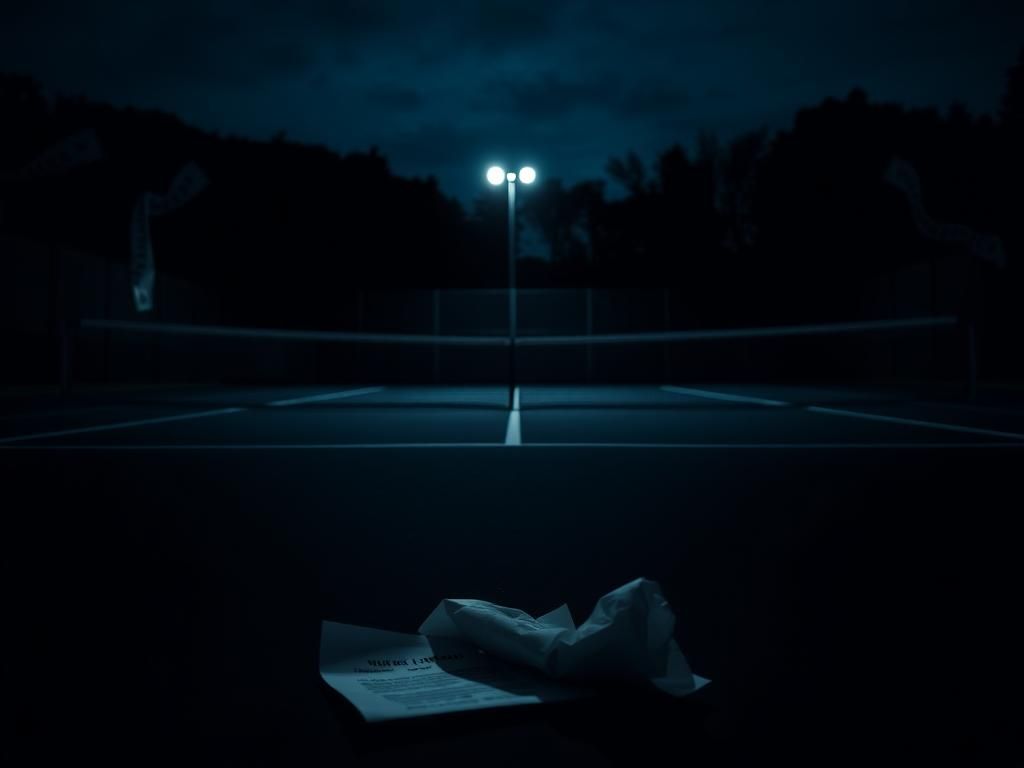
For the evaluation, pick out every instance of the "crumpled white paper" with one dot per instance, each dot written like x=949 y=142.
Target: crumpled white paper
x=628 y=636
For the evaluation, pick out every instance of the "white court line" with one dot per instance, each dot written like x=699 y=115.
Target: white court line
x=851 y=414
x=720 y=396
x=121 y=425
x=915 y=422
x=328 y=396
x=512 y=434
x=529 y=446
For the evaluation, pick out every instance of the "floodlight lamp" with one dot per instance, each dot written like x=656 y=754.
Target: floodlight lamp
x=495 y=175
x=510 y=176
x=527 y=175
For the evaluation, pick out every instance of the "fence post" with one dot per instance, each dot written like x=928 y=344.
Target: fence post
x=64 y=350
x=358 y=356
x=60 y=320
x=666 y=316
x=437 y=332
x=590 y=331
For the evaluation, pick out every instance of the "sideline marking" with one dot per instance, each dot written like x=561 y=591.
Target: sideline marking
x=121 y=425
x=512 y=434
x=328 y=396
x=915 y=422
x=720 y=395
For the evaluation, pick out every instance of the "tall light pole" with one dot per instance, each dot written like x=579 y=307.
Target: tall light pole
x=496 y=176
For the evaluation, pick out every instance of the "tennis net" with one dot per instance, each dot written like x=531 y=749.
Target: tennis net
x=909 y=353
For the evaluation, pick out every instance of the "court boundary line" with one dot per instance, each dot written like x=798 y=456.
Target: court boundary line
x=120 y=425
x=710 y=395
x=326 y=396
x=914 y=422
x=513 y=435
x=922 y=423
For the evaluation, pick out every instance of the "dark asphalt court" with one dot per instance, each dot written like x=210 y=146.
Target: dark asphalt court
x=844 y=565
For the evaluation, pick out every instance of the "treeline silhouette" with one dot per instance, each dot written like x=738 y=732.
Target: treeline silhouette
x=794 y=226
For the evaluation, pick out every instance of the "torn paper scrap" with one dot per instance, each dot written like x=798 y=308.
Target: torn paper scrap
x=389 y=675
x=628 y=636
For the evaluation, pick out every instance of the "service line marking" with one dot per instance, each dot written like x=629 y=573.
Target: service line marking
x=120 y=425
x=327 y=396
x=915 y=422
x=709 y=395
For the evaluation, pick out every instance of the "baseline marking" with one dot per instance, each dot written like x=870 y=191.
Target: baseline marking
x=121 y=425
x=720 y=396
x=327 y=396
x=915 y=422
x=512 y=433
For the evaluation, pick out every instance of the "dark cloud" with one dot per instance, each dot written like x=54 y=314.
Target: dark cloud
x=549 y=96
x=545 y=96
x=501 y=25
x=442 y=88
x=441 y=143
x=642 y=99
x=392 y=96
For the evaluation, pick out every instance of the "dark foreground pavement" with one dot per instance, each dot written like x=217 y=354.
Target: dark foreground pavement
x=851 y=605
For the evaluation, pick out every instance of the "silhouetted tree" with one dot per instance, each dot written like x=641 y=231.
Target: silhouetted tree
x=629 y=172
x=1012 y=112
x=737 y=187
x=565 y=219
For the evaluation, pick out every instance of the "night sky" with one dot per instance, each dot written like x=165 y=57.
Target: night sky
x=446 y=88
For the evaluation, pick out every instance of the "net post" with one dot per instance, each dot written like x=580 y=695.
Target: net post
x=972 y=361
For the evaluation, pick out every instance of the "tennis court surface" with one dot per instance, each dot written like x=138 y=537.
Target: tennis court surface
x=581 y=417
x=843 y=561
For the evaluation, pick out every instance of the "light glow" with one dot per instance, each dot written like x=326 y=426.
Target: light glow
x=495 y=175
x=527 y=175
x=510 y=176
